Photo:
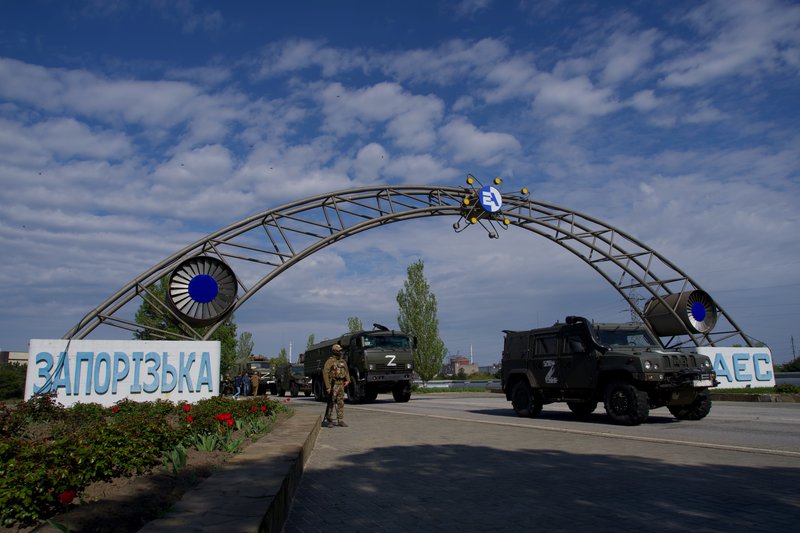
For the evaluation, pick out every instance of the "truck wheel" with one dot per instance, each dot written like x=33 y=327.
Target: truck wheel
x=295 y=390
x=525 y=401
x=401 y=393
x=319 y=394
x=582 y=408
x=625 y=404
x=281 y=391
x=696 y=410
x=355 y=392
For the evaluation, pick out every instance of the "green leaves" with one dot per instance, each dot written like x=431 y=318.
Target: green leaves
x=417 y=316
x=49 y=454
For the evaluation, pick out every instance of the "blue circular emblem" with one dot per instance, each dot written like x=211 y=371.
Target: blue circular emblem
x=203 y=288
x=698 y=311
x=490 y=199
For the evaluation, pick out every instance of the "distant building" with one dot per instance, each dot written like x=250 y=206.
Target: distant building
x=14 y=357
x=457 y=363
x=490 y=369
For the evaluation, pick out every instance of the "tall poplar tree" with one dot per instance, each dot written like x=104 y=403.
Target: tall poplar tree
x=354 y=324
x=417 y=317
x=244 y=349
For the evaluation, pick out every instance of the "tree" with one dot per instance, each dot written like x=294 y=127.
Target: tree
x=417 y=317
x=310 y=342
x=281 y=359
x=160 y=324
x=244 y=349
x=354 y=324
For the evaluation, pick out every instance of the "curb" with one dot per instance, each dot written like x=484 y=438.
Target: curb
x=254 y=490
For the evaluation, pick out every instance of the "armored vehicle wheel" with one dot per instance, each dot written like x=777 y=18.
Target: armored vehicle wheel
x=295 y=390
x=401 y=393
x=281 y=391
x=696 y=410
x=625 y=404
x=582 y=408
x=525 y=401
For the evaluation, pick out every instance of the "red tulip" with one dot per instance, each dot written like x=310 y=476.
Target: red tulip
x=67 y=496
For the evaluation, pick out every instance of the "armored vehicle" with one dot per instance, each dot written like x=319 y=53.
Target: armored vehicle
x=292 y=378
x=379 y=361
x=622 y=365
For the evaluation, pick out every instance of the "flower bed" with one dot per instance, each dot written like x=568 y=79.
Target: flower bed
x=49 y=455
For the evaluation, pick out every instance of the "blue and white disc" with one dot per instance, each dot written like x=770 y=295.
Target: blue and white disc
x=490 y=199
x=202 y=290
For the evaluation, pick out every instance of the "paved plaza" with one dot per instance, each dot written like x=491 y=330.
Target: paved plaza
x=391 y=472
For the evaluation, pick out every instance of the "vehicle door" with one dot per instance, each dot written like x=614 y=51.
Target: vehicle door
x=577 y=360
x=546 y=366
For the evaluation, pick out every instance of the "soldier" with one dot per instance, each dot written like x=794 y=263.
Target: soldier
x=337 y=378
x=254 y=381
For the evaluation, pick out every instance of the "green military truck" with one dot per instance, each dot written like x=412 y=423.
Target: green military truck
x=379 y=361
x=292 y=378
x=622 y=365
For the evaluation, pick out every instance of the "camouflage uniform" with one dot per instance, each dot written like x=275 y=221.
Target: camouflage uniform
x=336 y=377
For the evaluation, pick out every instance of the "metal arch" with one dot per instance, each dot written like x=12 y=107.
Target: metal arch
x=279 y=238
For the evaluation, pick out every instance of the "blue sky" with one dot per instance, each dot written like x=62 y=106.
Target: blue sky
x=130 y=129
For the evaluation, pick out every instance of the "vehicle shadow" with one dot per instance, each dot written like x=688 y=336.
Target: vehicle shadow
x=598 y=417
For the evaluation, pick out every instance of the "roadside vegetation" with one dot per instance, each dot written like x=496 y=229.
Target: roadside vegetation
x=49 y=454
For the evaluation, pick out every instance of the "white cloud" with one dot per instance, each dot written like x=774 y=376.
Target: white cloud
x=409 y=119
x=294 y=55
x=448 y=63
x=369 y=162
x=739 y=38
x=626 y=55
x=468 y=143
x=576 y=96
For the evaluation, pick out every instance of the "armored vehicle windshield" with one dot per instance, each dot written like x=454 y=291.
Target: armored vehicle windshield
x=622 y=336
x=396 y=342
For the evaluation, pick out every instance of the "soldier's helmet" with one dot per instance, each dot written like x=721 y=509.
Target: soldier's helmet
x=336 y=349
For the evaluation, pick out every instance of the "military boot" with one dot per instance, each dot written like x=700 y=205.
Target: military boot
x=327 y=424
x=342 y=424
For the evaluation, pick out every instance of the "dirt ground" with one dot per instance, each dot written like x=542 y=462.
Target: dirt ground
x=125 y=505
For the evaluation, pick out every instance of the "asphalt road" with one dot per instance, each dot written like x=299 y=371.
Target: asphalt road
x=465 y=462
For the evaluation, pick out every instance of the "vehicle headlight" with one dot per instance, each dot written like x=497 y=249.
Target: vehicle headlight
x=648 y=365
x=408 y=366
x=707 y=364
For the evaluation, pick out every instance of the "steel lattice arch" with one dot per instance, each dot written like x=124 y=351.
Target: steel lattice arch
x=275 y=240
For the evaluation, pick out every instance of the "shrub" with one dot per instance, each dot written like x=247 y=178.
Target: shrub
x=12 y=381
x=49 y=454
x=787 y=388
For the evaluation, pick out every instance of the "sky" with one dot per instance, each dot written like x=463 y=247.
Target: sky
x=130 y=129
